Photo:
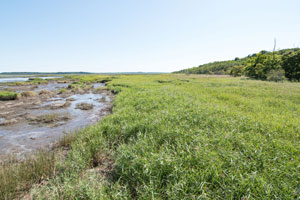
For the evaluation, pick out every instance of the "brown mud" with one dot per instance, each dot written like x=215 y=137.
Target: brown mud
x=45 y=113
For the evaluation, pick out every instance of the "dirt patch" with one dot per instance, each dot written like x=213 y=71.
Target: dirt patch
x=48 y=118
x=60 y=105
x=27 y=94
x=84 y=106
x=46 y=93
x=70 y=99
x=63 y=81
x=102 y=99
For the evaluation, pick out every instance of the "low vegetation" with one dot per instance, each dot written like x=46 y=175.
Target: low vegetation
x=84 y=106
x=7 y=95
x=48 y=118
x=37 y=81
x=86 y=79
x=62 y=91
x=26 y=94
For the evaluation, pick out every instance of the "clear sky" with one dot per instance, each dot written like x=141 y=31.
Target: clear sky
x=140 y=35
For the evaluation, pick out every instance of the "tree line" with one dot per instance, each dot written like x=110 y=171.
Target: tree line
x=265 y=65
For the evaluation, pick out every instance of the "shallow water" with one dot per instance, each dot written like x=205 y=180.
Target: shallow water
x=96 y=85
x=6 y=80
x=21 y=79
x=22 y=138
x=51 y=86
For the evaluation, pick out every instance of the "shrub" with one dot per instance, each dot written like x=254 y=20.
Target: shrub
x=276 y=75
x=6 y=95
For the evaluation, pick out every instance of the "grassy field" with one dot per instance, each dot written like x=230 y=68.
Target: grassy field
x=184 y=137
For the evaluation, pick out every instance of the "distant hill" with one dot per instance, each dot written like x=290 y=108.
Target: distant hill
x=225 y=67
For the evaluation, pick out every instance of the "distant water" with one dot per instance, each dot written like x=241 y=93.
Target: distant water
x=20 y=79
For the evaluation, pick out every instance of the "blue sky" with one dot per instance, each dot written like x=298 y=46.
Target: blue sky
x=140 y=35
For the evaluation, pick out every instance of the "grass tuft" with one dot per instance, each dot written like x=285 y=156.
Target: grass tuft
x=7 y=95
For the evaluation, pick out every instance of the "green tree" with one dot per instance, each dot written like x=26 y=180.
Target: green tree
x=237 y=70
x=291 y=66
x=260 y=65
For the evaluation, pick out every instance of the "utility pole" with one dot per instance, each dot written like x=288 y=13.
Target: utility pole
x=274 y=48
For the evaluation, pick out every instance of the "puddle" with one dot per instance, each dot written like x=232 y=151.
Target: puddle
x=25 y=137
x=96 y=85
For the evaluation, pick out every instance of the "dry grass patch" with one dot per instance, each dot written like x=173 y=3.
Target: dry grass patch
x=27 y=94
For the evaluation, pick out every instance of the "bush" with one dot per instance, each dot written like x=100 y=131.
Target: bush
x=5 y=95
x=276 y=75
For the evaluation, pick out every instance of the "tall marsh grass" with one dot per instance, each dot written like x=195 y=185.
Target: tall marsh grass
x=17 y=177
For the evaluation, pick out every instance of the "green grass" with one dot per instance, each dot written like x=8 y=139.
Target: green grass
x=6 y=95
x=187 y=137
x=62 y=90
x=37 y=80
x=89 y=78
x=84 y=81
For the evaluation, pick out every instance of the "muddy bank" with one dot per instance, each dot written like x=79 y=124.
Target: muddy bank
x=44 y=113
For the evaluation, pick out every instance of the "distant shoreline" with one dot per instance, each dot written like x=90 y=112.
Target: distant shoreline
x=74 y=73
